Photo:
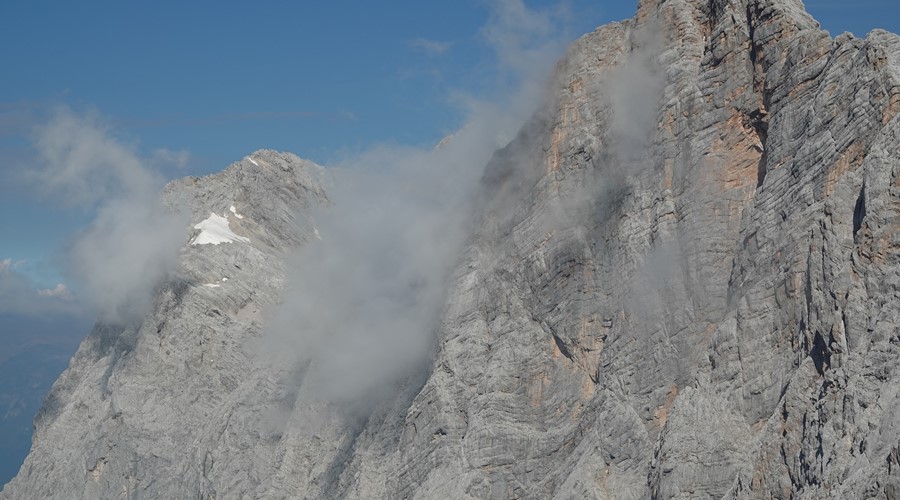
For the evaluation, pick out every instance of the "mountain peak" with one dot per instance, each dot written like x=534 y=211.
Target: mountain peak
x=681 y=283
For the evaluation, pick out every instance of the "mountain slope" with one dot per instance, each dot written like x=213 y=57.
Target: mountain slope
x=726 y=297
x=151 y=395
x=683 y=284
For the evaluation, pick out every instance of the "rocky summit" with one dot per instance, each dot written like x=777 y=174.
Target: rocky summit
x=683 y=281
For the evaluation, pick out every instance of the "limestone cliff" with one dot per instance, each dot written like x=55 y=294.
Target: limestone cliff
x=684 y=282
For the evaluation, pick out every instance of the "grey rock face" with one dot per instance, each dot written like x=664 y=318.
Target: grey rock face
x=169 y=393
x=691 y=298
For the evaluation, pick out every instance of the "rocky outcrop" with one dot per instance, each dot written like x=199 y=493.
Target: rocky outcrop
x=684 y=284
x=143 y=407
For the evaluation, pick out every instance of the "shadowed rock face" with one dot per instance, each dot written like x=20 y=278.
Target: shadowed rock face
x=684 y=284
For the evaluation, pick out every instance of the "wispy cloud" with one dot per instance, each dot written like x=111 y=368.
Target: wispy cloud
x=634 y=90
x=60 y=291
x=430 y=47
x=525 y=40
x=162 y=158
x=82 y=164
x=19 y=295
x=364 y=303
x=133 y=242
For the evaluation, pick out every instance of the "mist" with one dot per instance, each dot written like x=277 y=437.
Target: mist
x=132 y=244
x=363 y=303
x=634 y=91
x=631 y=92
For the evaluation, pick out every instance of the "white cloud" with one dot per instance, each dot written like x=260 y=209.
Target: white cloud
x=525 y=40
x=168 y=158
x=59 y=291
x=430 y=47
x=364 y=301
x=132 y=244
x=20 y=295
x=82 y=164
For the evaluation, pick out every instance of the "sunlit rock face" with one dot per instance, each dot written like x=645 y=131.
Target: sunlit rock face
x=682 y=282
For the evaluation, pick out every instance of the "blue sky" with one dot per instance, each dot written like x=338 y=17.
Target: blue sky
x=218 y=80
x=221 y=79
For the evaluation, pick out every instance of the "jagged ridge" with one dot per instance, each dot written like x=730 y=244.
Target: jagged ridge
x=705 y=307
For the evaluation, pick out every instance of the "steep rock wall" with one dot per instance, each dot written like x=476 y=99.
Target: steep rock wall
x=684 y=284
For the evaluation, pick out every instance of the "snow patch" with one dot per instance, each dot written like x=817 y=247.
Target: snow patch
x=215 y=230
x=224 y=279
x=253 y=161
x=316 y=232
x=234 y=211
x=212 y=285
